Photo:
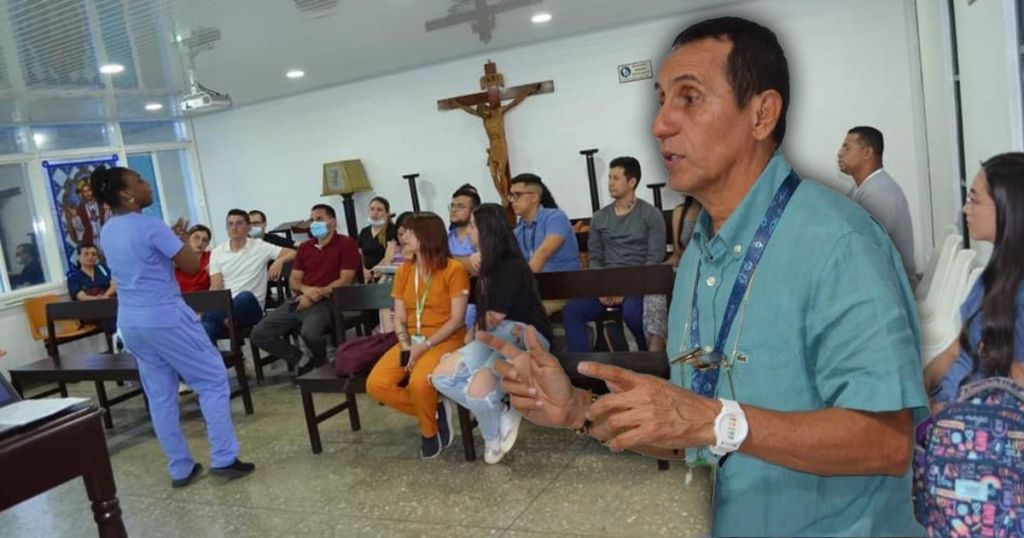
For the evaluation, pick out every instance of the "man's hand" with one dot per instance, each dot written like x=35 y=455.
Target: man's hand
x=611 y=301
x=536 y=383
x=303 y=303
x=647 y=411
x=274 y=272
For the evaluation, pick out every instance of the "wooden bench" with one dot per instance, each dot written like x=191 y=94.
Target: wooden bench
x=620 y=281
x=120 y=367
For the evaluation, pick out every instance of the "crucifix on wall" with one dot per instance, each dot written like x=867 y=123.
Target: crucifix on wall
x=487 y=105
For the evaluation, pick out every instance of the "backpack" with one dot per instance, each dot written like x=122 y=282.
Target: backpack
x=969 y=474
x=356 y=357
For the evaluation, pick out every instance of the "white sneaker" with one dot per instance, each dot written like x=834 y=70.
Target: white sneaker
x=492 y=451
x=183 y=389
x=510 y=421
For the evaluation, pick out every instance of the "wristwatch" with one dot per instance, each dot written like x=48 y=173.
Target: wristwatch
x=731 y=428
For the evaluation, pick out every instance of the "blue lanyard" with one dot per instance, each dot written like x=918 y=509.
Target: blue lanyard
x=704 y=381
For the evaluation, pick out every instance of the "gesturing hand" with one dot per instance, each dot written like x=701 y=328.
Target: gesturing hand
x=180 y=229
x=647 y=411
x=536 y=383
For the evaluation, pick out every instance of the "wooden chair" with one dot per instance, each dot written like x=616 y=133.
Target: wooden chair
x=344 y=301
x=63 y=332
x=643 y=280
x=220 y=301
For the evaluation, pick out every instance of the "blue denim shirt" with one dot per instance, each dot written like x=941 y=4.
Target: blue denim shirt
x=830 y=322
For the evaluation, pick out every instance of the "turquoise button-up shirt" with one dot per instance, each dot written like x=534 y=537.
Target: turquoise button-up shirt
x=830 y=321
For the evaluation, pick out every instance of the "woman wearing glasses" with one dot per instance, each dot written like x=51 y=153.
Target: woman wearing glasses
x=991 y=342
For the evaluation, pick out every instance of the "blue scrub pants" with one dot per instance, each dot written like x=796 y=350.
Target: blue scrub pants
x=165 y=353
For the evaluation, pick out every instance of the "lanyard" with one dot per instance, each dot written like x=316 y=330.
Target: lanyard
x=533 y=239
x=421 y=300
x=704 y=377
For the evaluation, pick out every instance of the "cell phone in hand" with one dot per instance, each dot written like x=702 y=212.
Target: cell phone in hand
x=403 y=358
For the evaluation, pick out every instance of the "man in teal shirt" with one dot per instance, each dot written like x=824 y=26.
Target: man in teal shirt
x=793 y=304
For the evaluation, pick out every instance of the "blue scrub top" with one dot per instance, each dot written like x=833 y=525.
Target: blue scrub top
x=830 y=322
x=139 y=250
x=79 y=281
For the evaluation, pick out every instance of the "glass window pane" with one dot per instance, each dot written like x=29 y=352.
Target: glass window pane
x=152 y=132
x=19 y=235
x=176 y=178
x=12 y=140
x=58 y=137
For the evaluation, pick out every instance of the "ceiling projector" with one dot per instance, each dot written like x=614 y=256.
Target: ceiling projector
x=200 y=97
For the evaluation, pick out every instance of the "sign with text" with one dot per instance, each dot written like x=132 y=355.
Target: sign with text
x=635 y=71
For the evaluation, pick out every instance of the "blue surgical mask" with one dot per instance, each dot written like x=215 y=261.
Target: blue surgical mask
x=256 y=233
x=318 y=230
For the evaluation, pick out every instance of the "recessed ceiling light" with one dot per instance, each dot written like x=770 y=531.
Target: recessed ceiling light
x=152 y=107
x=295 y=73
x=111 y=69
x=540 y=18
x=39 y=138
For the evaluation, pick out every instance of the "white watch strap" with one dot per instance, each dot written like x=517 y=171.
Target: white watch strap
x=730 y=428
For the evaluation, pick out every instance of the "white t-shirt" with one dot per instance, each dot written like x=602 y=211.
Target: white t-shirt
x=245 y=270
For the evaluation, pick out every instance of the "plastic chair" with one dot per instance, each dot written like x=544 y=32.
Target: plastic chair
x=67 y=330
x=938 y=333
x=940 y=257
x=940 y=285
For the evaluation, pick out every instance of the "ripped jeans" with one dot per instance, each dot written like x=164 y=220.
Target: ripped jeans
x=474 y=384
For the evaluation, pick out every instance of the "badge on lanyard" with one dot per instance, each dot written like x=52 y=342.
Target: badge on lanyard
x=421 y=302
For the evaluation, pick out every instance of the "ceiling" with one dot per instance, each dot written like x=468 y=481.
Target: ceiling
x=50 y=50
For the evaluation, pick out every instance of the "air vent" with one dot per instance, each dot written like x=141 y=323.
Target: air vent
x=315 y=6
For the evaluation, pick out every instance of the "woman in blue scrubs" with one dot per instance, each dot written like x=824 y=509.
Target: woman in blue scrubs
x=160 y=330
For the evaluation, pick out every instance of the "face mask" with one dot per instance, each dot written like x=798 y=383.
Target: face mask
x=376 y=222
x=256 y=233
x=318 y=230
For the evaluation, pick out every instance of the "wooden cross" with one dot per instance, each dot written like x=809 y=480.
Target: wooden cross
x=487 y=105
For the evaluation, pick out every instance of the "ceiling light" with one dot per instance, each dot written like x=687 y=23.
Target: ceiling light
x=153 y=107
x=295 y=73
x=111 y=69
x=39 y=139
x=540 y=18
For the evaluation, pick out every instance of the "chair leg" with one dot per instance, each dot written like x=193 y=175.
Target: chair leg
x=466 y=426
x=63 y=387
x=243 y=384
x=256 y=363
x=353 y=411
x=311 y=424
x=101 y=395
x=17 y=387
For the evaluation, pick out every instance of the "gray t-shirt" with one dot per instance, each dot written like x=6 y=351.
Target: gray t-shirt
x=884 y=200
x=636 y=238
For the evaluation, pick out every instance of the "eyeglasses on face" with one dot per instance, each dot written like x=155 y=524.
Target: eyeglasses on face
x=514 y=195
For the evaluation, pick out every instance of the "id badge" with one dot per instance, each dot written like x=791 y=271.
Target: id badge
x=418 y=339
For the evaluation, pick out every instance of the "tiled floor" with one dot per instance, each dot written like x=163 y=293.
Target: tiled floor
x=372 y=483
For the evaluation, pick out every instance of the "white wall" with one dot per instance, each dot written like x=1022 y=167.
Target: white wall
x=851 y=63
x=936 y=47
x=989 y=83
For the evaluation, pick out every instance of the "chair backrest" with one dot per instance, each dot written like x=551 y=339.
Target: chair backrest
x=357 y=298
x=955 y=280
x=620 y=281
x=215 y=301
x=935 y=279
x=965 y=290
x=35 y=313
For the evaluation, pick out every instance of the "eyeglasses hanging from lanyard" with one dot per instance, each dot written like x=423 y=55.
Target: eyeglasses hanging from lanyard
x=707 y=362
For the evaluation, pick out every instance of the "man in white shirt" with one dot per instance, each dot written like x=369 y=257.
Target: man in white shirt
x=240 y=265
x=877 y=192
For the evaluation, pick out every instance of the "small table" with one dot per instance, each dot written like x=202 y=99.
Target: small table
x=58 y=450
